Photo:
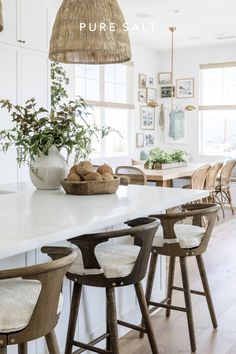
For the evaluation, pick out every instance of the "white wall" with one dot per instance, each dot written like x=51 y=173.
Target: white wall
x=187 y=63
x=145 y=62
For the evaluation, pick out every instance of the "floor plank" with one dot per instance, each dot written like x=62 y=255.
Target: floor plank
x=172 y=333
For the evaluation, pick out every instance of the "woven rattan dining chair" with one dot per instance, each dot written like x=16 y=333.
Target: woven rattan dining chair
x=223 y=194
x=31 y=301
x=198 y=178
x=135 y=175
x=183 y=241
x=111 y=266
x=211 y=181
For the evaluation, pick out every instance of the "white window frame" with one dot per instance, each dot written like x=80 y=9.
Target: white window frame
x=102 y=104
x=203 y=108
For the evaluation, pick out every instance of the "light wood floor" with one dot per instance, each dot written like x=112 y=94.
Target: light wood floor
x=172 y=334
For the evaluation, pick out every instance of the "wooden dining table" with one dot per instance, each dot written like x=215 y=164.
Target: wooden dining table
x=165 y=178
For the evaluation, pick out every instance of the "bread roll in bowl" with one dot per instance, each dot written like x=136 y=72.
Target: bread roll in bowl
x=73 y=169
x=105 y=169
x=93 y=176
x=84 y=168
x=73 y=177
x=107 y=177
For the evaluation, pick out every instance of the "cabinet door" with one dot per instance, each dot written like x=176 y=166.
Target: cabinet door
x=34 y=77
x=9 y=33
x=34 y=24
x=8 y=90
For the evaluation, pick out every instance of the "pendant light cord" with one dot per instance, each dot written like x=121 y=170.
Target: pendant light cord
x=172 y=30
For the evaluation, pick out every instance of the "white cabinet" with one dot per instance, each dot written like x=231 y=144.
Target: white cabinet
x=23 y=67
x=9 y=34
x=23 y=75
x=25 y=24
x=34 y=77
x=8 y=90
x=34 y=24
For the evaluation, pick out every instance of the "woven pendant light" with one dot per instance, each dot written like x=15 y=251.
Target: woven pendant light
x=90 y=32
x=1 y=18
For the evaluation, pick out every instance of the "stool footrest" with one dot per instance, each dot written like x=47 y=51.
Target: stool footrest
x=196 y=292
x=90 y=345
x=165 y=306
x=132 y=326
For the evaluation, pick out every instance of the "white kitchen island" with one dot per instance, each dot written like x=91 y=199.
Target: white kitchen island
x=30 y=219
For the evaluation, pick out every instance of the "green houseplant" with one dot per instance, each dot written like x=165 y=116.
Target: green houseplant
x=160 y=158
x=38 y=134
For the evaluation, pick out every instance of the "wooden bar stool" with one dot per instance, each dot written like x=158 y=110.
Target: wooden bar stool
x=31 y=301
x=183 y=240
x=110 y=266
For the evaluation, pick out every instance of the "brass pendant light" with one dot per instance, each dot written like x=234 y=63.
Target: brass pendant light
x=90 y=32
x=1 y=17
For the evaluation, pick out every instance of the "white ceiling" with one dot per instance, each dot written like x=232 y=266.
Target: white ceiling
x=198 y=22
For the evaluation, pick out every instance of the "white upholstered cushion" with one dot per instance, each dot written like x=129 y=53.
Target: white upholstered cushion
x=18 y=298
x=115 y=260
x=189 y=236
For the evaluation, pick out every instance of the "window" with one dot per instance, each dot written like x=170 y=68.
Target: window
x=109 y=89
x=218 y=108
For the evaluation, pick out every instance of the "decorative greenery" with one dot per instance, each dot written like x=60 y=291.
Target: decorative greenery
x=160 y=156
x=67 y=126
x=59 y=80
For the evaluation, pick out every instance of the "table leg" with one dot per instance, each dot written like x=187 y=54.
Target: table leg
x=165 y=183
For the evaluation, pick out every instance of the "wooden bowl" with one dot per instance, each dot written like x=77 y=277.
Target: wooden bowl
x=91 y=187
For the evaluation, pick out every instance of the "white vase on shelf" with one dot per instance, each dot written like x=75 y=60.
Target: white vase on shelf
x=47 y=171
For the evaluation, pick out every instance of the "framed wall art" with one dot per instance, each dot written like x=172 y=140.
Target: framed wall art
x=164 y=79
x=149 y=140
x=142 y=81
x=166 y=92
x=151 y=94
x=139 y=140
x=151 y=81
x=147 y=118
x=184 y=88
x=142 y=96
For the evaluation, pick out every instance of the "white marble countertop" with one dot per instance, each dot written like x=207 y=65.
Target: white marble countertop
x=30 y=218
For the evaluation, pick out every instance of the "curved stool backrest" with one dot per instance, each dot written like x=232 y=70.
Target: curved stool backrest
x=135 y=175
x=196 y=212
x=50 y=275
x=142 y=230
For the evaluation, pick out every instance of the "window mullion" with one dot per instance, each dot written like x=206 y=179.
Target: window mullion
x=103 y=124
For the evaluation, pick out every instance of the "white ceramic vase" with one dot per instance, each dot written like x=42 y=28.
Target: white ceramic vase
x=47 y=171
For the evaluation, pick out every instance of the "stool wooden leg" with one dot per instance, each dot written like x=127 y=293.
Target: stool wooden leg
x=206 y=288
x=74 y=309
x=170 y=283
x=108 y=339
x=22 y=348
x=188 y=302
x=3 y=350
x=146 y=317
x=52 y=343
x=150 y=282
x=112 y=319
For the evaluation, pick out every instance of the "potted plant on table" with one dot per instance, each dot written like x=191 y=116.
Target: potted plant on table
x=40 y=136
x=160 y=159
